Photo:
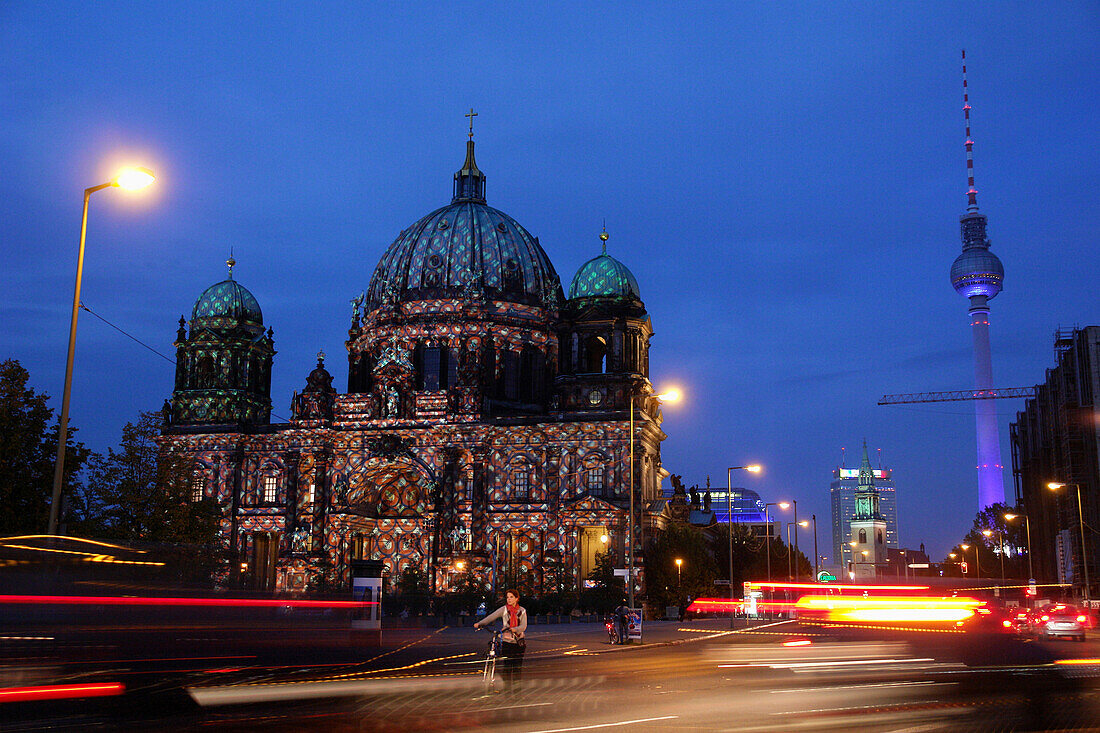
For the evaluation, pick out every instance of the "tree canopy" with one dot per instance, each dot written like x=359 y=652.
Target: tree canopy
x=28 y=451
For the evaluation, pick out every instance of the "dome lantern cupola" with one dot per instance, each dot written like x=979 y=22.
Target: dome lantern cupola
x=604 y=276
x=469 y=181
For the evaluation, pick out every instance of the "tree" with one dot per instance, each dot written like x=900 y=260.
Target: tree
x=141 y=493
x=749 y=560
x=28 y=451
x=666 y=587
x=983 y=554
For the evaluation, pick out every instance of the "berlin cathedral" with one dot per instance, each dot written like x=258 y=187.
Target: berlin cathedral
x=485 y=429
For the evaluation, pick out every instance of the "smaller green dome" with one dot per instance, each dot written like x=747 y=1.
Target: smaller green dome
x=226 y=305
x=604 y=277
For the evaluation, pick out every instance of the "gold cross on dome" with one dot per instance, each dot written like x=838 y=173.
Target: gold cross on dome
x=471 y=114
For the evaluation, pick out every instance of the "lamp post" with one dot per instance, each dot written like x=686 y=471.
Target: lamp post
x=790 y=575
x=679 y=564
x=128 y=178
x=977 y=564
x=1054 y=486
x=1001 y=537
x=1027 y=526
x=754 y=468
x=794 y=502
x=673 y=395
x=805 y=525
x=768 y=533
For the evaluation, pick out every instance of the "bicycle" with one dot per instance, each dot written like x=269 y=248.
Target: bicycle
x=489 y=672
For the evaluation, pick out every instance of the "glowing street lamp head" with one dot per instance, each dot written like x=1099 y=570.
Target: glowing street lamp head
x=965 y=547
x=804 y=524
x=134 y=178
x=784 y=505
x=1055 y=485
x=755 y=468
x=952 y=555
x=1010 y=516
x=672 y=395
x=679 y=562
x=987 y=532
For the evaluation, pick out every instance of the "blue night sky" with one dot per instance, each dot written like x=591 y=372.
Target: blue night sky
x=784 y=180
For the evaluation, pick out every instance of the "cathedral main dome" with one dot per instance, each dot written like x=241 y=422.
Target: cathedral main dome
x=466 y=249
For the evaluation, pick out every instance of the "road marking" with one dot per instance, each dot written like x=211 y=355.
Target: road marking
x=830 y=688
x=606 y=725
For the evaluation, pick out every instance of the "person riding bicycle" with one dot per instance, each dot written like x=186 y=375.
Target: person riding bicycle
x=513 y=641
x=622 y=615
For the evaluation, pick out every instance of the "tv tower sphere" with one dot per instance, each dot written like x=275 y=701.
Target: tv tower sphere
x=977 y=271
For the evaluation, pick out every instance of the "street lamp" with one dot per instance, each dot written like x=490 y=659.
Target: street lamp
x=754 y=468
x=679 y=563
x=672 y=395
x=1001 y=537
x=804 y=524
x=768 y=533
x=1027 y=525
x=790 y=575
x=131 y=179
x=1054 y=486
x=977 y=565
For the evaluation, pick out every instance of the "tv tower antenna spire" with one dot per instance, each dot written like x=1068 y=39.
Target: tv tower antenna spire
x=972 y=193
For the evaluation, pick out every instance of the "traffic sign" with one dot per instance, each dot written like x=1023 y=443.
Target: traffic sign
x=826 y=577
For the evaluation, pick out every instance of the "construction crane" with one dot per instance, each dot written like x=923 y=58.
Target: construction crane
x=964 y=395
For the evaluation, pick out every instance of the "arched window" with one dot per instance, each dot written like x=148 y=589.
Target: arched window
x=594 y=481
x=510 y=376
x=198 y=483
x=269 y=488
x=878 y=537
x=521 y=483
x=863 y=537
x=595 y=352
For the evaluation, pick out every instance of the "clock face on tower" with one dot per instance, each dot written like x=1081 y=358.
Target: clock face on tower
x=595 y=397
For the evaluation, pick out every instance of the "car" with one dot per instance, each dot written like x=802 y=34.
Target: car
x=1061 y=620
x=1019 y=620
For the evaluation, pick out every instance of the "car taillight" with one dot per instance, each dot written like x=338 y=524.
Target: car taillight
x=1044 y=618
x=1082 y=619
x=1006 y=624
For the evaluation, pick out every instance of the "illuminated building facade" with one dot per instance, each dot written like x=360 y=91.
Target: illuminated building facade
x=842 y=498
x=484 y=430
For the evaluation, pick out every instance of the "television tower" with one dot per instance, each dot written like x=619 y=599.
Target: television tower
x=977 y=274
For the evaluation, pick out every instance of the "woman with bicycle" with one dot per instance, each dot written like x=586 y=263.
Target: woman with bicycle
x=513 y=643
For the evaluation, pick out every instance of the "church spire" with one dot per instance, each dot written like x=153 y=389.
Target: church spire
x=866 y=492
x=469 y=181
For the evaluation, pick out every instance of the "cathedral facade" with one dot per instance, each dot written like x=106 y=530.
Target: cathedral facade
x=484 y=433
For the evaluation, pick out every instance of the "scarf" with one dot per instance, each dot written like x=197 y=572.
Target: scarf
x=513 y=616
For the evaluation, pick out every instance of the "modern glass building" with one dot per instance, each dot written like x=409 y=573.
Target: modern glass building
x=842 y=493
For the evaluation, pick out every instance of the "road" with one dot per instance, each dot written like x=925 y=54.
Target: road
x=693 y=676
